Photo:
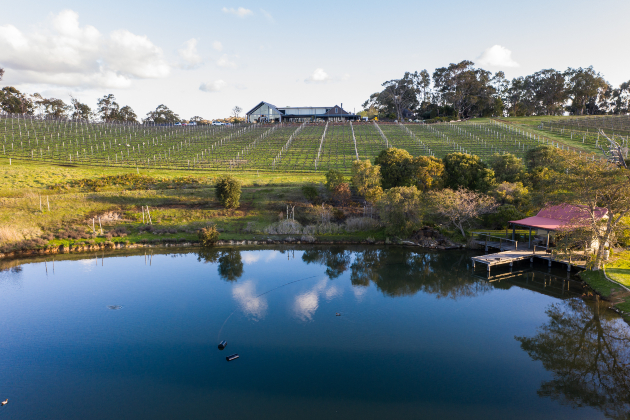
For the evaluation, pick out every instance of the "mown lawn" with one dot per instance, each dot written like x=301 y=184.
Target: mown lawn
x=619 y=268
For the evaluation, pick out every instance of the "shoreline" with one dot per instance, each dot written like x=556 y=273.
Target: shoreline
x=62 y=249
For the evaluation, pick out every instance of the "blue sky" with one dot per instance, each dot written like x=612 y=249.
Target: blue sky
x=205 y=57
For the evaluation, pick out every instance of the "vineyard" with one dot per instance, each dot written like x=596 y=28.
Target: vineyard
x=279 y=147
x=586 y=130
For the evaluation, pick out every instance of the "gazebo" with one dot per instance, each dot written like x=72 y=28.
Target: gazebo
x=552 y=218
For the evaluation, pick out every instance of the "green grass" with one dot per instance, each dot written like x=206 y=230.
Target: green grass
x=183 y=207
x=598 y=282
x=619 y=268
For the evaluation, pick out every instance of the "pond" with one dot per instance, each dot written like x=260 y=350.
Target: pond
x=321 y=333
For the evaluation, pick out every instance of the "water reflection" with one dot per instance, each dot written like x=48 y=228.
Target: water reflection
x=305 y=305
x=249 y=300
x=336 y=259
x=587 y=350
x=402 y=272
x=230 y=266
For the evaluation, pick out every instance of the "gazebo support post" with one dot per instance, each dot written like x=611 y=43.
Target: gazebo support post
x=547 y=240
x=530 y=238
x=513 y=231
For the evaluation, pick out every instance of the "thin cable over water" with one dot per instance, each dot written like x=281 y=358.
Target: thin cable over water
x=262 y=294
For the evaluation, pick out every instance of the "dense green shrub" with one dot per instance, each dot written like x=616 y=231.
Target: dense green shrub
x=310 y=192
x=503 y=215
x=366 y=178
x=228 y=191
x=208 y=236
x=462 y=170
x=400 y=210
x=396 y=167
x=333 y=179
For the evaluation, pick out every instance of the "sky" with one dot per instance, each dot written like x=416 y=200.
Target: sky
x=202 y=58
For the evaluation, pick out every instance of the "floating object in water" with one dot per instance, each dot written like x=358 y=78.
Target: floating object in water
x=5 y=402
x=114 y=307
x=232 y=357
x=222 y=344
x=337 y=314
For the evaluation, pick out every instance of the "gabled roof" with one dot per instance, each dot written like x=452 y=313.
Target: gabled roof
x=563 y=215
x=340 y=111
x=261 y=104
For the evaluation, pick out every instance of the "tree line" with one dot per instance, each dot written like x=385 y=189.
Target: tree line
x=107 y=109
x=461 y=191
x=461 y=91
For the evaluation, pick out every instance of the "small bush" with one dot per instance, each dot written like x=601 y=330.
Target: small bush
x=310 y=192
x=228 y=192
x=307 y=238
x=341 y=193
x=209 y=236
x=357 y=224
x=333 y=179
x=284 y=227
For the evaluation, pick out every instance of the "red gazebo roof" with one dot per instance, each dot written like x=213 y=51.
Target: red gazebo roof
x=554 y=217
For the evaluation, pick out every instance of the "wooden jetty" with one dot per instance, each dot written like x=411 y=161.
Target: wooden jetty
x=509 y=253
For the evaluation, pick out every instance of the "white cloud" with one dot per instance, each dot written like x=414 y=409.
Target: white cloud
x=215 y=86
x=67 y=54
x=240 y=12
x=252 y=305
x=318 y=76
x=497 y=56
x=268 y=16
x=189 y=54
x=250 y=257
x=345 y=77
x=217 y=46
x=305 y=305
x=225 y=61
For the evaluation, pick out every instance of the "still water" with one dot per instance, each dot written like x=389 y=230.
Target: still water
x=419 y=335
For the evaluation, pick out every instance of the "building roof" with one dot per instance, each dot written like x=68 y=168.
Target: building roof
x=261 y=104
x=563 y=215
x=340 y=111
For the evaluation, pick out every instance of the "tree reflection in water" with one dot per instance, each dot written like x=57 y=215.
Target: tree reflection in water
x=230 y=262
x=336 y=259
x=587 y=349
x=403 y=272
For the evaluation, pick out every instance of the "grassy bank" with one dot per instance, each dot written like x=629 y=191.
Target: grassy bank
x=44 y=205
x=617 y=295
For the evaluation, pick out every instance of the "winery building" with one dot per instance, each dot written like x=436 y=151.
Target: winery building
x=266 y=112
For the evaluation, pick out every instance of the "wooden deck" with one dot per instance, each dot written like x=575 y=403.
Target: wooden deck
x=512 y=256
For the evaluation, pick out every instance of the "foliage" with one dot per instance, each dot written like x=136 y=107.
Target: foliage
x=507 y=167
x=228 y=191
x=461 y=207
x=51 y=108
x=427 y=172
x=396 y=168
x=208 y=236
x=161 y=115
x=80 y=111
x=333 y=179
x=109 y=111
x=593 y=185
x=341 y=193
x=511 y=193
x=503 y=215
x=15 y=102
x=468 y=89
x=462 y=170
x=400 y=210
x=543 y=157
x=129 y=181
x=366 y=178
x=310 y=192
x=587 y=353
